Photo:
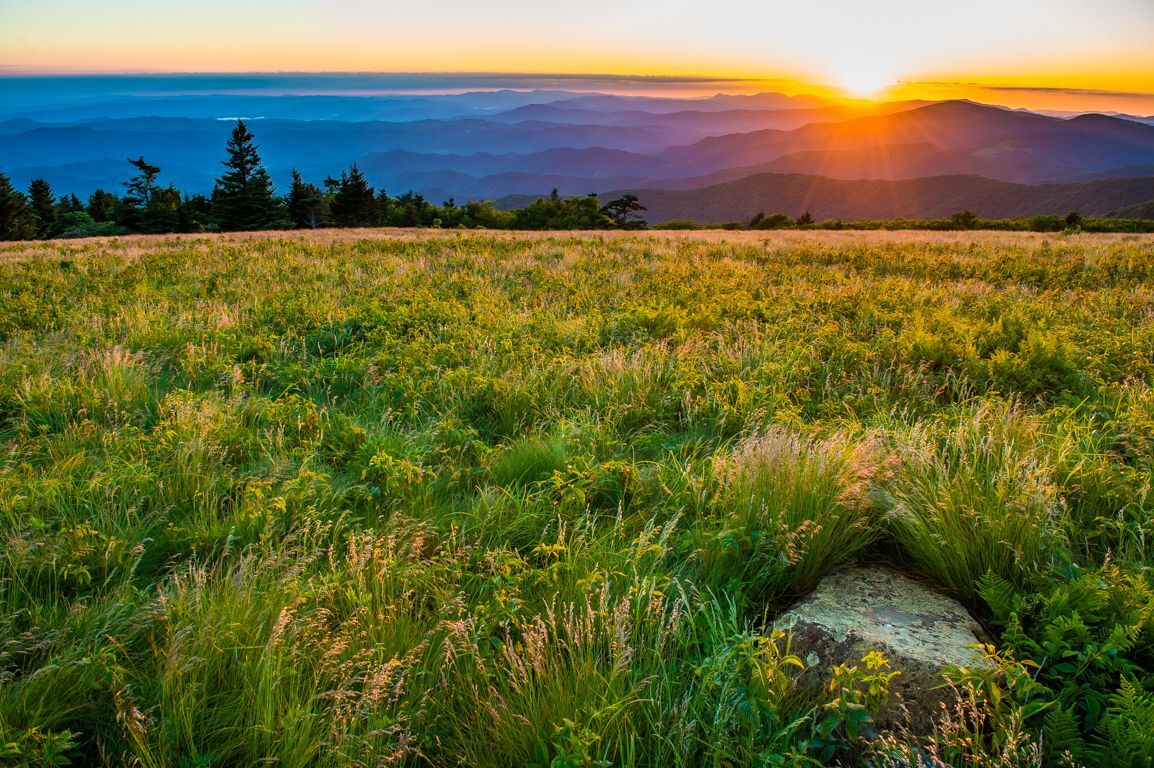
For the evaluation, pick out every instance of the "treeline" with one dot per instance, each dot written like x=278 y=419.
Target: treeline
x=244 y=199
x=958 y=222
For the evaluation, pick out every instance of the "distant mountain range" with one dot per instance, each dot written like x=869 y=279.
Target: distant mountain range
x=712 y=159
x=924 y=198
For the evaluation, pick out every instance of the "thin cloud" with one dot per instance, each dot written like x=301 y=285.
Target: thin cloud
x=1035 y=89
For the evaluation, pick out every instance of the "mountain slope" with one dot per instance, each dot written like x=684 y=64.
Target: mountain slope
x=1139 y=211
x=516 y=143
x=931 y=197
x=969 y=138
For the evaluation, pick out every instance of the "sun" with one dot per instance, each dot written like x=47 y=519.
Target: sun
x=864 y=84
x=863 y=78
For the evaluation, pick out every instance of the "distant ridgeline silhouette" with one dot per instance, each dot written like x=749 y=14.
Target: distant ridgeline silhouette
x=624 y=162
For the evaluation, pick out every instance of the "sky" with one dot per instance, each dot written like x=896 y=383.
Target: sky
x=1050 y=54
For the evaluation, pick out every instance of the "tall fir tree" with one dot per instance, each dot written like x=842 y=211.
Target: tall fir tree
x=43 y=204
x=244 y=198
x=306 y=203
x=355 y=202
x=16 y=219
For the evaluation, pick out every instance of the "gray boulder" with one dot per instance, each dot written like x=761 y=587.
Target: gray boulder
x=918 y=630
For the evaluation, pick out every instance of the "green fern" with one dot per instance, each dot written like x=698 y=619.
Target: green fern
x=1015 y=637
x=1000 y=595
x=1062 y=739
x=1125 y=738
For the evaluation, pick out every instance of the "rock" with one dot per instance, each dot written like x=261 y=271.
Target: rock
x=918 y=630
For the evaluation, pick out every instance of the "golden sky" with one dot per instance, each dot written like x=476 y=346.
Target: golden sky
x=1052 y=54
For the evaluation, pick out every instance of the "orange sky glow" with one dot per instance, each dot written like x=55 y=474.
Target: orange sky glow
x=1040 y=54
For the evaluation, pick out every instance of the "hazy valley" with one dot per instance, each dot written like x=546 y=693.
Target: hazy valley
x=493 y=145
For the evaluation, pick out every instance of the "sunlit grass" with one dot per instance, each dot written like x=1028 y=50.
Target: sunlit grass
x=461 y=498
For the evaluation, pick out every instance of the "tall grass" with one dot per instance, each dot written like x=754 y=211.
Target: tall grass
x=975 y=496
x=789 y=511
x=461 y=498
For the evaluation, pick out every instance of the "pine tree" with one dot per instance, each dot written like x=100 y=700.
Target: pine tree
x=306 y=203
x=355 y=202
x=16 y=219
x=70 y=204
x=411 y=210
x=163 y=212
x=384 y=207
x=102 y=205
x=141 y=190
x=244 y=197
x=194 y=213
x=625 y=212
x=43 y=204
x=141 y=186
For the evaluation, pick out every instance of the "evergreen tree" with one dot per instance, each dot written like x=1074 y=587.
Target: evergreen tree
x=411 y=210
x=355 y=202
x=450 y=214
x=132 y=212
x=102 y=205
x=70 y=204
x=141 y=186
x=625 y=212
x=163 y=211
x=244 y=197
x=16 y=219
x=384 y=207
x=306 y=203
x=43 y=204
x=194 y=213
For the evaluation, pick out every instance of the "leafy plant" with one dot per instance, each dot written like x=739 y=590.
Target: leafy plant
x=857 y=695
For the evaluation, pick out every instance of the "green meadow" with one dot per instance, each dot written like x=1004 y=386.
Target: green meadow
x=367 y=498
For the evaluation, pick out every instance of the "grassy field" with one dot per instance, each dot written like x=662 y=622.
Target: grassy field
x=377 y=498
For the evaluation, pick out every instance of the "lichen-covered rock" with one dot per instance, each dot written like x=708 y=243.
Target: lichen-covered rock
x=918 y=630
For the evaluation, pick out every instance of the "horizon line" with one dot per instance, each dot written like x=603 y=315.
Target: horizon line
x=8 y=69
x=19 y=70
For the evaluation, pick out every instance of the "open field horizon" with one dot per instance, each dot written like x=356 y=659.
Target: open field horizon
x=40 y=249
x=74 y=143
